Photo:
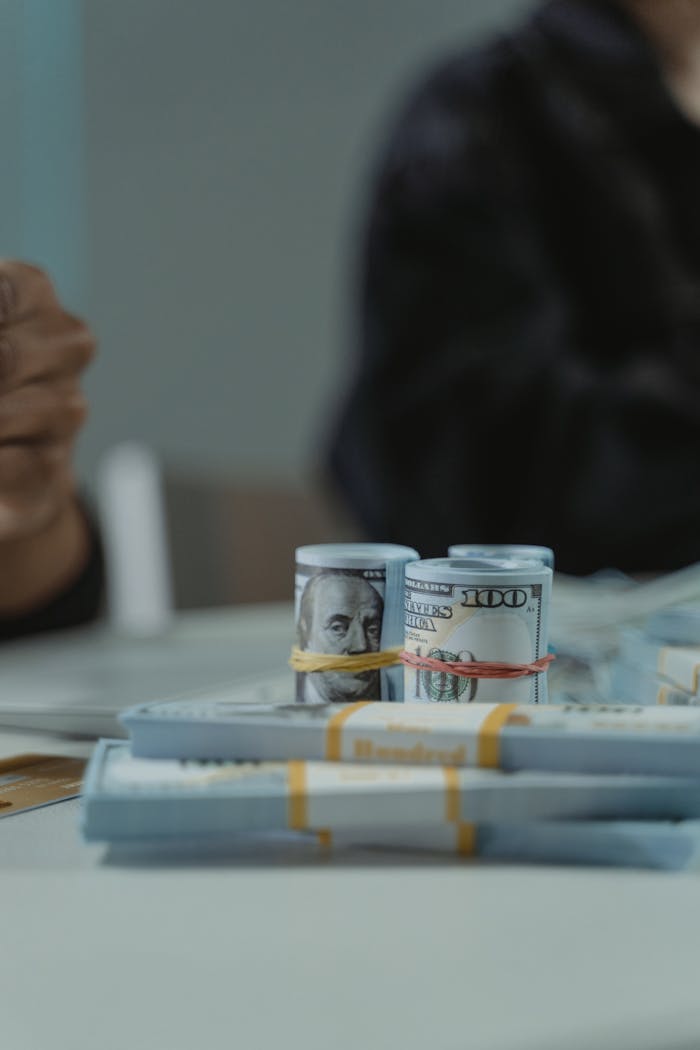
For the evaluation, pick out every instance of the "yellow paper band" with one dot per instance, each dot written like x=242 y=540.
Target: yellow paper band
x=466 y=840
x=334 y=729
x=304 y=661
x=452 y=799
x=489 y=744
x=297 y=813
x=325 y=838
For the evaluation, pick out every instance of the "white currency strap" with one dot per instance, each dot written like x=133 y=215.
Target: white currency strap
x=443 y=734
x=382 y=795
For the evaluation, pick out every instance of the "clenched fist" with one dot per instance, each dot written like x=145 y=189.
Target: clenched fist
x=43 y=352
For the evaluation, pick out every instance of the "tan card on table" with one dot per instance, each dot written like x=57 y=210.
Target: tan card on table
x=28 y=781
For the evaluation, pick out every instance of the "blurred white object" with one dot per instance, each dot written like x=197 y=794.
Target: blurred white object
x=133 y=521
x=588 y=612
x=587 y=617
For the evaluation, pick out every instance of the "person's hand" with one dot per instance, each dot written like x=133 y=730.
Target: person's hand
x=44 y=539
x=43 y=351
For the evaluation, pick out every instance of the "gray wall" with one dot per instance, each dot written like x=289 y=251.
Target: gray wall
x=224 y=150
x=11 y=151
x=42 y=153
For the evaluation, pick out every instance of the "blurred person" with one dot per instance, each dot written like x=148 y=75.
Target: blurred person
x=50 y=557
x=529 y=367
x=340 y=613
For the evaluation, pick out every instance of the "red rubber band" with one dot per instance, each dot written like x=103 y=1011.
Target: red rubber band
x=475 y=668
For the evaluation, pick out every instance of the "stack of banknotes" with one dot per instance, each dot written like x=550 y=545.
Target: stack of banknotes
x=659 y=664
x=422 y=722
x=605 y=785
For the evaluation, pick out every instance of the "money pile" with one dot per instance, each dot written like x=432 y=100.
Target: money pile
x=131 y=800
x=660 y=664
x=518 y=781
x=473 y=761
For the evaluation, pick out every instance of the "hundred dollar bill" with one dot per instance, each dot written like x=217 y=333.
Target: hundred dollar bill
x=507 y=551
x=134 y=798
x=348 y=602
x=663 y=741
x=471 y=609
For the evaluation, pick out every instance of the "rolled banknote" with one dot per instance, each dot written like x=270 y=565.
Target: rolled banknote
x=573 y=738
x=678 y=664
x=476 y=610
x=629 y=685
x=135 y=798
x=509 y=551
x=349 y=604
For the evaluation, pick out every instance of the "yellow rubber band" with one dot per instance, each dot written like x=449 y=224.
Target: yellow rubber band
x=297 y=812
x=334 y=729
x=489 y=742
x=452 y=799
x=466 y=840
x=301 y=660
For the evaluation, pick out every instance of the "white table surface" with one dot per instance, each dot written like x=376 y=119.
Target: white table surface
x=283 y=946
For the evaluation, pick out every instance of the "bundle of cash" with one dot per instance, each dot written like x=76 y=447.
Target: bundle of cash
x=137 y=798
x=629 y=685
x=507 y=551
x=476 y=610
x=676 y=625
x=659 y=664
x=678 y=665
x=348 y=767
x=349 y=608
x=663 y=741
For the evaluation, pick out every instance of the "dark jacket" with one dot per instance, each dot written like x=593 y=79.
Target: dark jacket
x=529 y=367
x=79 y=603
